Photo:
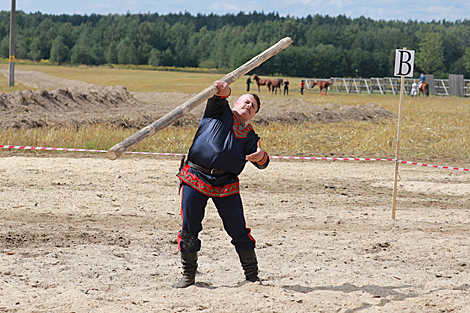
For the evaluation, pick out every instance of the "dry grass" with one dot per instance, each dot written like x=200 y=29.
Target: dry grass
x=99 y=137
x=134 y=80
x=6 y=89
x=434 y=127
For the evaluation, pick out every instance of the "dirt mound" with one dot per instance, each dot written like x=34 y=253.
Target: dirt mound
x=29 y=109
x=295 y=111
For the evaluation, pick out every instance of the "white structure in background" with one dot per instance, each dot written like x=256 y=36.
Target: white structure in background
x=383 y=85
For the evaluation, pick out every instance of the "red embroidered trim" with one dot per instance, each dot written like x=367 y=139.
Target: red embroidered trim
x=264 y=159
x=237 y=130
x=205 y=188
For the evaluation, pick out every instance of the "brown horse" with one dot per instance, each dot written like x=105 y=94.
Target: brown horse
x=277 y=83
x=323 y=85
x=262 y=82
x=424 y=89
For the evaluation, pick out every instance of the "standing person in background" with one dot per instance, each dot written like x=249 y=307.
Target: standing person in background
x=414 y=89
x=286 y=87
x=248 y=82
x=224 y=142
x=302 y=86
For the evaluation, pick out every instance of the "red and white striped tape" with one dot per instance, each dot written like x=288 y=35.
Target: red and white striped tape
x=370 y=159
x=436 y=166
x=330 y=159
x=272 y=157
x=77 y=150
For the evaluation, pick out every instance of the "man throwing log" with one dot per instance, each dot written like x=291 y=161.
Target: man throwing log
x=224 y=142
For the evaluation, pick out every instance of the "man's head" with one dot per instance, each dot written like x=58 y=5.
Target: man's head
x=247 y=106
x=258 y=101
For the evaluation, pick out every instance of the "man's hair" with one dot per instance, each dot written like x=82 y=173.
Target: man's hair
x=257 y=101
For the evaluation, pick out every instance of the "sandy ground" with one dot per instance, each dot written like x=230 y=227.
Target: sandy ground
x=94 y=235
x=81 y=233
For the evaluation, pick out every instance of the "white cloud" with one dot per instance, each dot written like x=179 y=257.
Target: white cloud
x=227 y=7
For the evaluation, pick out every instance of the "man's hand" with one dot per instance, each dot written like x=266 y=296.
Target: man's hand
x=256 y=156
x=224 y=89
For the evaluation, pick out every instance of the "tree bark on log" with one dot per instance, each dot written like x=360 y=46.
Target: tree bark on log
x=148 y=131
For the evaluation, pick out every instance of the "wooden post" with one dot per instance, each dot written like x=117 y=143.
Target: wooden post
x=11 y=75
x=116 y=151
x=394 y=202
x=456 y=85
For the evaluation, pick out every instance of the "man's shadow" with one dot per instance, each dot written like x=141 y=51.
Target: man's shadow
x=380 y=292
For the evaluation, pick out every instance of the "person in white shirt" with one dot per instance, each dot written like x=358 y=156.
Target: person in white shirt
x=414 y=89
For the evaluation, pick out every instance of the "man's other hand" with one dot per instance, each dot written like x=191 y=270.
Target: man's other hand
x=256 y=156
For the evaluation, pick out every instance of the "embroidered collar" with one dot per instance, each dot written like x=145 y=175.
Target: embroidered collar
x=240 y=130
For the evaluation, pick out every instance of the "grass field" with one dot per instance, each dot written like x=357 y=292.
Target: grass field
x=434 y=127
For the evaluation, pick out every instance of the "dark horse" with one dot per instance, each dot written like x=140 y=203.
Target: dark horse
x=323 y=85
x=262 y=82
x=424 y=89
x=277 y=83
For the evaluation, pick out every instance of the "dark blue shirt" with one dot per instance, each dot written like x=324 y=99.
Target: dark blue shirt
x=221 y=142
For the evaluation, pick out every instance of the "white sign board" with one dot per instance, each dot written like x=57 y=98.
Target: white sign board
x=404 y=62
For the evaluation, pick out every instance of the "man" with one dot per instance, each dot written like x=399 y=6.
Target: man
x=248 y=82
x=302 y=86
x=286 y=87
x=224 y=142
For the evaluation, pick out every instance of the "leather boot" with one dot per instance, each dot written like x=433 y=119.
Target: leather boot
x=189 y=262
x=249 y=264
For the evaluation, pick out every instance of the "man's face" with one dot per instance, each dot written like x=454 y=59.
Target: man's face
x=246 y=107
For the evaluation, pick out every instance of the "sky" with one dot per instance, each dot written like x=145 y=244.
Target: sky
x=404 y=10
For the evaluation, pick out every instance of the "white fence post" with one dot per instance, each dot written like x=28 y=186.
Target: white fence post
x=380 y=88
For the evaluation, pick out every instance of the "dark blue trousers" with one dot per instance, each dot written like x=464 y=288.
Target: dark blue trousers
x=230 y=208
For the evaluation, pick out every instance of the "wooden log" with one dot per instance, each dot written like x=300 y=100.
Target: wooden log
x=148 y=131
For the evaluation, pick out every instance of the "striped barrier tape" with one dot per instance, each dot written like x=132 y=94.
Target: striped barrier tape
x=327 y=158
x=77 y=150
x=435 y=166
x=272 y=157
x=370 y=159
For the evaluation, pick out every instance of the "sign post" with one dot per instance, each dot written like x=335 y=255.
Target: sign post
x=404 y=64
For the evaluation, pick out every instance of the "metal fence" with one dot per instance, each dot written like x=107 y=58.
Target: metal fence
x=385 y=85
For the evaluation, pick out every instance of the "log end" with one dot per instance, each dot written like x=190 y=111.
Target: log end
x=112 y=154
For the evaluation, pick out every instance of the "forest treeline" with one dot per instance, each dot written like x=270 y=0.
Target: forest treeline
x=323 y=46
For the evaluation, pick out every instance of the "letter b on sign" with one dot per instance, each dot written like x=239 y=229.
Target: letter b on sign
x=404 y=62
